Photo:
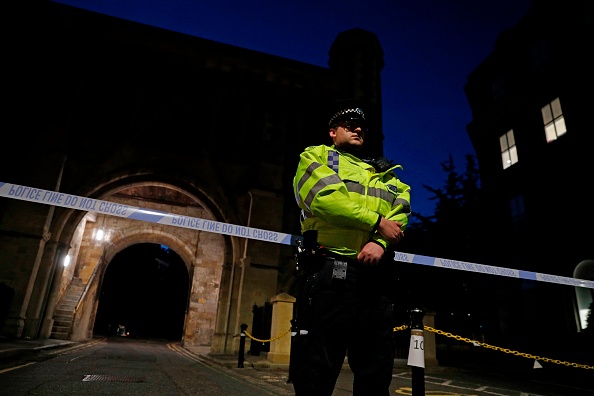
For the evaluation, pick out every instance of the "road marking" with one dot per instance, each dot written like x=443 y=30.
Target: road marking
x=16 y=367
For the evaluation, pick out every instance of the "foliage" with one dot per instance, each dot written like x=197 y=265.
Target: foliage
x=452 y=232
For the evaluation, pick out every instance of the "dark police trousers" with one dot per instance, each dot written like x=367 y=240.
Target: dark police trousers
x=350 y=317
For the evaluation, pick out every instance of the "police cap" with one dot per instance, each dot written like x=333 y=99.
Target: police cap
x=347 y=114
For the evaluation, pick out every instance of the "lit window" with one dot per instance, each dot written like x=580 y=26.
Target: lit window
x=583 y=297
x=554 y=123
x=509 y=152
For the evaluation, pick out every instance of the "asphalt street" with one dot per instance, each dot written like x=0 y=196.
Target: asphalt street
x=473 y=380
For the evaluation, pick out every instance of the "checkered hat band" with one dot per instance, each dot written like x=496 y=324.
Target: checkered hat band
x=352 y=112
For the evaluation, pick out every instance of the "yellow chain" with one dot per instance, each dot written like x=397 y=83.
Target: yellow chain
x=459 y=338
x=516 y=353
x=272 y=339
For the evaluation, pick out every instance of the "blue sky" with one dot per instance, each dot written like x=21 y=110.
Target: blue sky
x=430 y=47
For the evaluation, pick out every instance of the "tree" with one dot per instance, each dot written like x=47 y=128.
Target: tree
x=453 y=232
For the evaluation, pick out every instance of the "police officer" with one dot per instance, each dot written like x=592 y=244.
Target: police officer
x=357 y=208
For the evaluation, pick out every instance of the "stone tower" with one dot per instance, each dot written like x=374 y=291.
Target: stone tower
x=356 y=60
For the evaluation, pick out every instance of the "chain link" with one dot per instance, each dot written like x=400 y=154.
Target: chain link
x=271 y=339
x=516 y=353
x=459 y=338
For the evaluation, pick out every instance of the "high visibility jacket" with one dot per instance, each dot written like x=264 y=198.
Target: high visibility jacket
x=343 y=197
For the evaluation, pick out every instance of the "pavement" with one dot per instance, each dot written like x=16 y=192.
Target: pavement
x=16 y=348
x=499 y=374
x=475 y=374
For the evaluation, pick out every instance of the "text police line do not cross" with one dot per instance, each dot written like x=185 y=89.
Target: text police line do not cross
x=64 y=200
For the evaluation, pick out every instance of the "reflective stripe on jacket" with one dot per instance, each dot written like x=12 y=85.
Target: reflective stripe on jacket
x=342 y=197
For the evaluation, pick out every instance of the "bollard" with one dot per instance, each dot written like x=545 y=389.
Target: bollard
x=294 y=331
x=416 y=353
x=241 y=346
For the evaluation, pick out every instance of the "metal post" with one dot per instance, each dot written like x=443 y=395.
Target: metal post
x=416 y=354
x=294 y=332
x=241 y=346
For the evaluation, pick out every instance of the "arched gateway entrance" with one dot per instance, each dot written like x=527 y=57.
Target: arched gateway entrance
x=144 y=294
x=212 y=297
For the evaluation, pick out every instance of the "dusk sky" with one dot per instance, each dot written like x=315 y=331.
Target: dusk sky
x=430 y=47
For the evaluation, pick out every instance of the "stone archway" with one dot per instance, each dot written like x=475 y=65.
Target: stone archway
x=204 y=255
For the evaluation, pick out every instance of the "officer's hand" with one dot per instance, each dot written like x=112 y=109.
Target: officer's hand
x=371 y=254
x=390 y=230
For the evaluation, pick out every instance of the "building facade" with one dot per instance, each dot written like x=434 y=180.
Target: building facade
x=531 y=128
x=137 y=116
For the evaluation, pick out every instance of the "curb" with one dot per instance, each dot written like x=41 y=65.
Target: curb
x=23 y=348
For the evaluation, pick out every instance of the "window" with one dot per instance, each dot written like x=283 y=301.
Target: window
x=539 y=54
x=498 y=88
x=584 y=298
x=554 y=123
x=509 y=153
x=516 y=204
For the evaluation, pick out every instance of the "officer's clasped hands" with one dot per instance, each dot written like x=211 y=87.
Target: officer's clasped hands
x=390 y=230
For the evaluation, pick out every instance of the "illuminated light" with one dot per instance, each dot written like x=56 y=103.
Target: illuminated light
x=99 y=235
x=150 y=212
x=66 y=260
x=584 y=317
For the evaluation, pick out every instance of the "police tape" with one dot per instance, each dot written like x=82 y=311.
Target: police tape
x=131 y=212
x=490 y=270
x=64 y=200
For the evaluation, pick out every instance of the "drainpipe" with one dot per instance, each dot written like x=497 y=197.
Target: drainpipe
x=227 y=313
x=39 y=310
x=232 y=281
x=242 y=263
x=50 y=298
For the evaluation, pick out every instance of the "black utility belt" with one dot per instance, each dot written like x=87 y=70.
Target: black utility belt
x=338 y=267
